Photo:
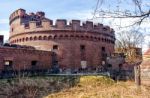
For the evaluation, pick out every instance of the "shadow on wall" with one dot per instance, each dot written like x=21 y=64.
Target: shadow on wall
x=35 y=87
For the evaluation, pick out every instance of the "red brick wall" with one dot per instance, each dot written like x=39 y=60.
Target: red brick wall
x=22 y=58
x=67 y=37
x=69 y=54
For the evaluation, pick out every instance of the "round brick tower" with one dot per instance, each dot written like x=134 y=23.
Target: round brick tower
x=77 y=45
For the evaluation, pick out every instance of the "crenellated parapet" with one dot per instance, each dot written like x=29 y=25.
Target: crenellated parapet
x=74 y=42
x=38 y=23
x=62 y=24
x=24 y=17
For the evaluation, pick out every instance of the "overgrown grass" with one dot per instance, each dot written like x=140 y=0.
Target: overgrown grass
x=34 y=87
x=102 y=87
x=70 y=87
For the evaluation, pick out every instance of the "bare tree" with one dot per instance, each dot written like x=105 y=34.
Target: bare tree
x=137 y=10
x=127 y=42
x=129 y=18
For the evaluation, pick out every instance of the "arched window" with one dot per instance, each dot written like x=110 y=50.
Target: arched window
x=71 y=35
x=45 y=38
x=66 y=36
x=35 y=38
x=40 y=37
x=95 y=38
x=55 y=36
x=77 y=36
x=27 y=38
x=31 y=38
x=82 y=37
x=91 y=37
x=87 y=37
x=22 y=39
x=49 y=37
x=12 y=29
x=102 y=39
x=60 y=36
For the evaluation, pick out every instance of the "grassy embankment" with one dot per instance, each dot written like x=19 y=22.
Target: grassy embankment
x=70 y=87
x=102 y=87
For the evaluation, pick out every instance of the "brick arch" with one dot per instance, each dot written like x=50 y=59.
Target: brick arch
x=45 y=37
x=95 y=38
x=40 y=38
x=23 y=39
x=102 y=39
x=49 y=37
x=87 y=37
x=17 y=40
x=27 y=38
x=55 y=36
x=60 y=36
x=91 y=37
x=105 y=40
x=77 y=36
x=66 y=36
x=71 y=35
x=99 y=38
x=108 y=41
x=31 y=38
x=20 y=40
x=82 y=36
x=35 y=38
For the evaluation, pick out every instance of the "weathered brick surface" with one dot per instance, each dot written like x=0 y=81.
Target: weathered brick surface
x=22 y=58
x=43 y=35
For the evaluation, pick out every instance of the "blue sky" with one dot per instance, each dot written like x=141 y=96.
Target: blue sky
x=63 y=9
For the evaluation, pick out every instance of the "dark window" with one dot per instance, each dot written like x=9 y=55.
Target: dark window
x=38 y=23
x=34 y=63
x=82 y=47
x=12 y=29
x=120 y=65
x=109 y=65
x=8 y=63
x=55 y=47
x=26 y=25
x=103 y=49
x=105 y=29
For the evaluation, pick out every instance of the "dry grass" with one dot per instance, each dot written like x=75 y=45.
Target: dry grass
x=102 y=87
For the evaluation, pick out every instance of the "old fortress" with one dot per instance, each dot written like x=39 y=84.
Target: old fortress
x=61 y=44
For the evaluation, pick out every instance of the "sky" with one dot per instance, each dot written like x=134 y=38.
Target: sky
x=54 y=9
x=64 y=9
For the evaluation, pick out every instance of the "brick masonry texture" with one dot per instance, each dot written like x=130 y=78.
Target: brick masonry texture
x=23 y=58
x=72 y=41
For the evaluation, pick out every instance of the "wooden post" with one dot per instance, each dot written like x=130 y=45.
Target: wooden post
x=137 y=75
